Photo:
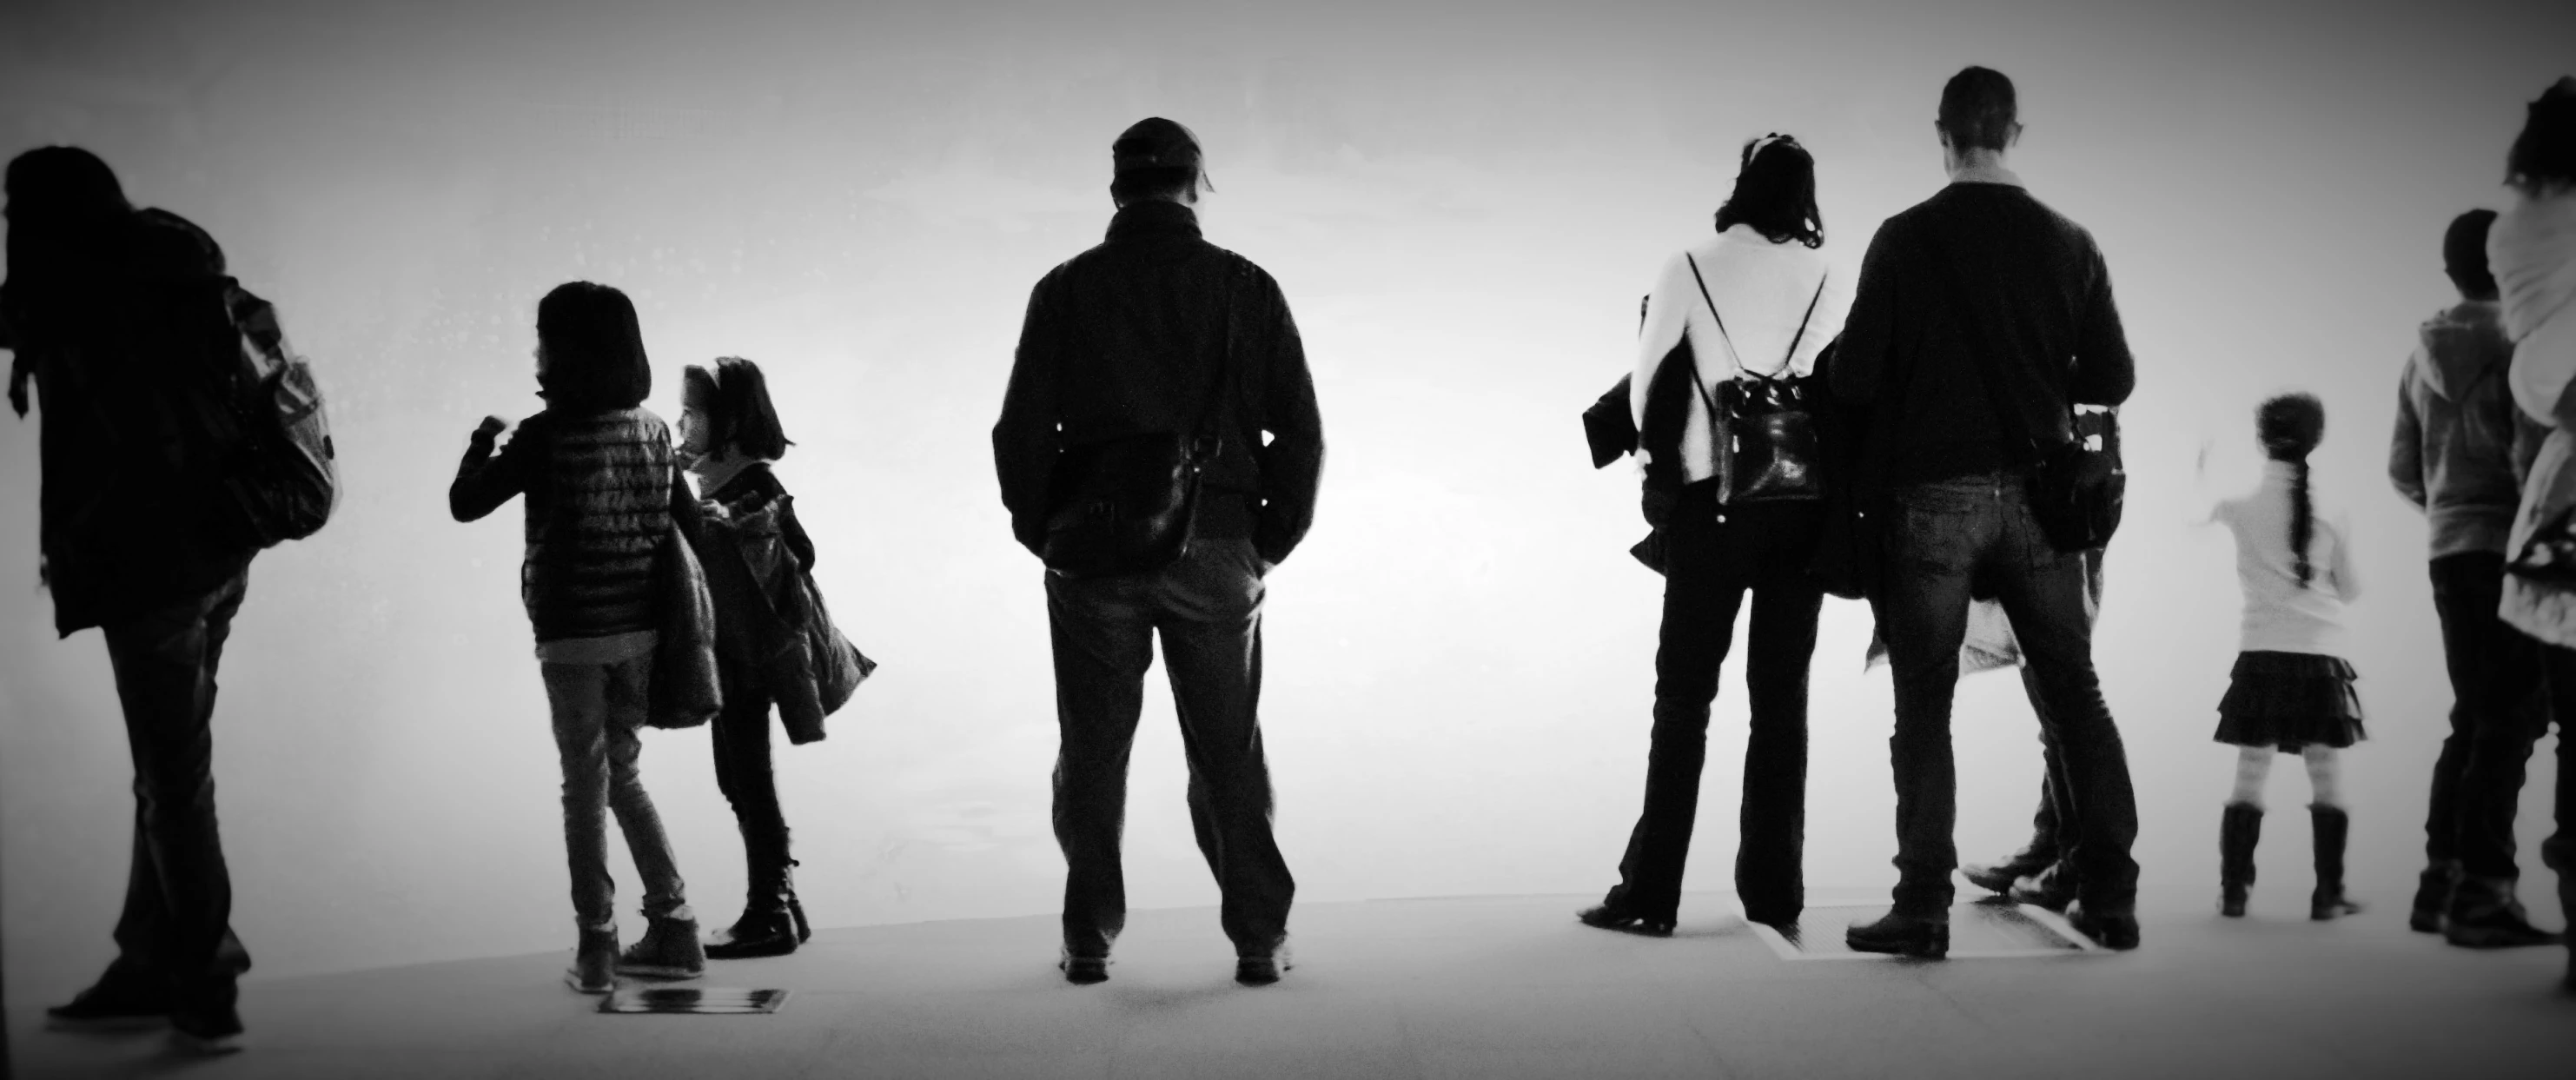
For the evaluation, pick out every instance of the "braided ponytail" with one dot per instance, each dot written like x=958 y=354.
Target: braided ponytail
x=2290 y=426
x=2303 y=522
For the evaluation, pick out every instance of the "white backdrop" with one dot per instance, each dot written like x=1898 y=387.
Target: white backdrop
x=1463 y=202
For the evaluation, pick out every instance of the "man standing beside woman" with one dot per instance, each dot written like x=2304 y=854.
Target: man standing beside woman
x=1980 y=319
x=1754 y=302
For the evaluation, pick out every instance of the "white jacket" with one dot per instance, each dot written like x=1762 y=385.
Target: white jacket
x=1762 y=290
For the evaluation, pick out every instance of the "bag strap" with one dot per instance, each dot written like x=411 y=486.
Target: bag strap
x=1214 y=408
x=1731 y=352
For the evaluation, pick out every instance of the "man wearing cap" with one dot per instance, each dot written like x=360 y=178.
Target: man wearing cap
x=1158 y=331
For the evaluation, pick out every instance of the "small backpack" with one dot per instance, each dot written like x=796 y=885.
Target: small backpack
x=279 y=479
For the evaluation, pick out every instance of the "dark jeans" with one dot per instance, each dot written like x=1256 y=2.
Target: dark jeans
x=1207 y=608
x=1945 y=541
x=2558 y=667
x=744 y=774
x=2496 y=715
x=176 y=927
x=2045 y=846
x=1711 y=563
x=598 y=710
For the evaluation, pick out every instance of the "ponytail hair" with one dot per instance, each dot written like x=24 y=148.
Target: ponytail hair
x=2290 y=426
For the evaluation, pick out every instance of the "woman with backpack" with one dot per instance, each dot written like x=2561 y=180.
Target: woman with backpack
x=602 y=498
x=1732 y=327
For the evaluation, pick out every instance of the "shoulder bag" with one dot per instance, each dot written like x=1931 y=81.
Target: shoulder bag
x=1129 y=505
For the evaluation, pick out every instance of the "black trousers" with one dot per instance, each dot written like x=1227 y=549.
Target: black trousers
x=2496 y=715
x=750 y=786
x=1946 y=542
x=1712 y=561
x=2558 y=668
x=176 y=929
x=1207 y=610
x=2045 y=845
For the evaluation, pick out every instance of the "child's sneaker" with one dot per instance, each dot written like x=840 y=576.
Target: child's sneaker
x=594 y=963
x=670 y=950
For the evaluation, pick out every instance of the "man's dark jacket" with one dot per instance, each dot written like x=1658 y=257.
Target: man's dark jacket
x=2039 y=295
x=1124 y=339
x=123 y=363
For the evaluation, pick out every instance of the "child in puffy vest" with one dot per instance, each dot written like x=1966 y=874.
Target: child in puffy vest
x=601 y=493
x=729 y=436
x=2291 y=689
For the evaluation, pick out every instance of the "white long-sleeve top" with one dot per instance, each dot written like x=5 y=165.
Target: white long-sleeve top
x=1763 y=290
x=2279 y=615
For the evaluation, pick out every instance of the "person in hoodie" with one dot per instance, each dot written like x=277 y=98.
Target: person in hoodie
x=2459 y=455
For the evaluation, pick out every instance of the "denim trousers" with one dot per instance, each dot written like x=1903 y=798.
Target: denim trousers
x=176 y=927
x=1975 y=536
x=597 y=711
x=2044 y=846
x=1207 y=610
x=1713 y=560
x=2497 y=713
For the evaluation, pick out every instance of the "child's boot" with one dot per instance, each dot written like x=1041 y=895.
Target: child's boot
x=670 y=950
x=594 y=962
x=2333 y=826
x=2240 y=825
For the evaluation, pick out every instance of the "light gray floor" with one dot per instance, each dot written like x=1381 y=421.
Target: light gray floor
x=1488 y=987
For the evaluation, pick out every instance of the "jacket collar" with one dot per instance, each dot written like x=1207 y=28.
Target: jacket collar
x=1153 y=218
x=1988 y=174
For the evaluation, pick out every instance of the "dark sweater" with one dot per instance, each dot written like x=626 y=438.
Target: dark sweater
x=1123 y=339
x=2040 y=296
x=127 y=518
x=601 y=496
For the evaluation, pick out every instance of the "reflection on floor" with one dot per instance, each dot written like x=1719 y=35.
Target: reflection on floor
x=1985 y=930
x=1487 y=987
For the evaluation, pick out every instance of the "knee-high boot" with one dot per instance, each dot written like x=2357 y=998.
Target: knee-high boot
x=2240 y=826
x=2333 y=826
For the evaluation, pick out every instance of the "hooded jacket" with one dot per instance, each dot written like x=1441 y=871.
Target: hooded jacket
x=2460 y=450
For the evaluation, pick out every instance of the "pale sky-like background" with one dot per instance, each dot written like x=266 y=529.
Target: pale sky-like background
x=1463 y=202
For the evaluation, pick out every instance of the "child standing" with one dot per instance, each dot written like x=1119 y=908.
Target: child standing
x=729 y=435
x=601 y=493
x=2291 y=690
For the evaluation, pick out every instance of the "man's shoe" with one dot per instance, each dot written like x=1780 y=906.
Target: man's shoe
x=1901 y=935
x=2433 y=890
x=2000 y=878
x=594 y=963
x=1614 y=917
x=2052 y=888
x=207 y=1032
x=669 y=950
x=2110 y=930
x=1083 y=970
x=1261 y=969
x=2501 y=925
x=113 y=1004
x=755 y=934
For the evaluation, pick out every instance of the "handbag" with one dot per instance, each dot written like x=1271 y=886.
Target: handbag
x=684 y=689
x=1129 y=505
x=1762 y=428
x=2549 y=557
x=2078 y=487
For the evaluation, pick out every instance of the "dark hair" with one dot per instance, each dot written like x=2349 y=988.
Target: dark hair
x=2464 y=253
x=739 y=413
x=594 y=349
x=2290 y=426
x=2544 y=155
x=1978 y=109
x=1775 y=192
x=65 y=209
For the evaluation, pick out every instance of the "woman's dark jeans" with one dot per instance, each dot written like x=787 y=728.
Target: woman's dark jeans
x=1975 y=535
x=1712 y=561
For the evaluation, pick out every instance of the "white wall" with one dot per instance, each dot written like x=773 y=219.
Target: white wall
x=1463 y=203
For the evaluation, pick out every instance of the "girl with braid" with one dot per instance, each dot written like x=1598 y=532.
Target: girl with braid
x=2291 y=690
